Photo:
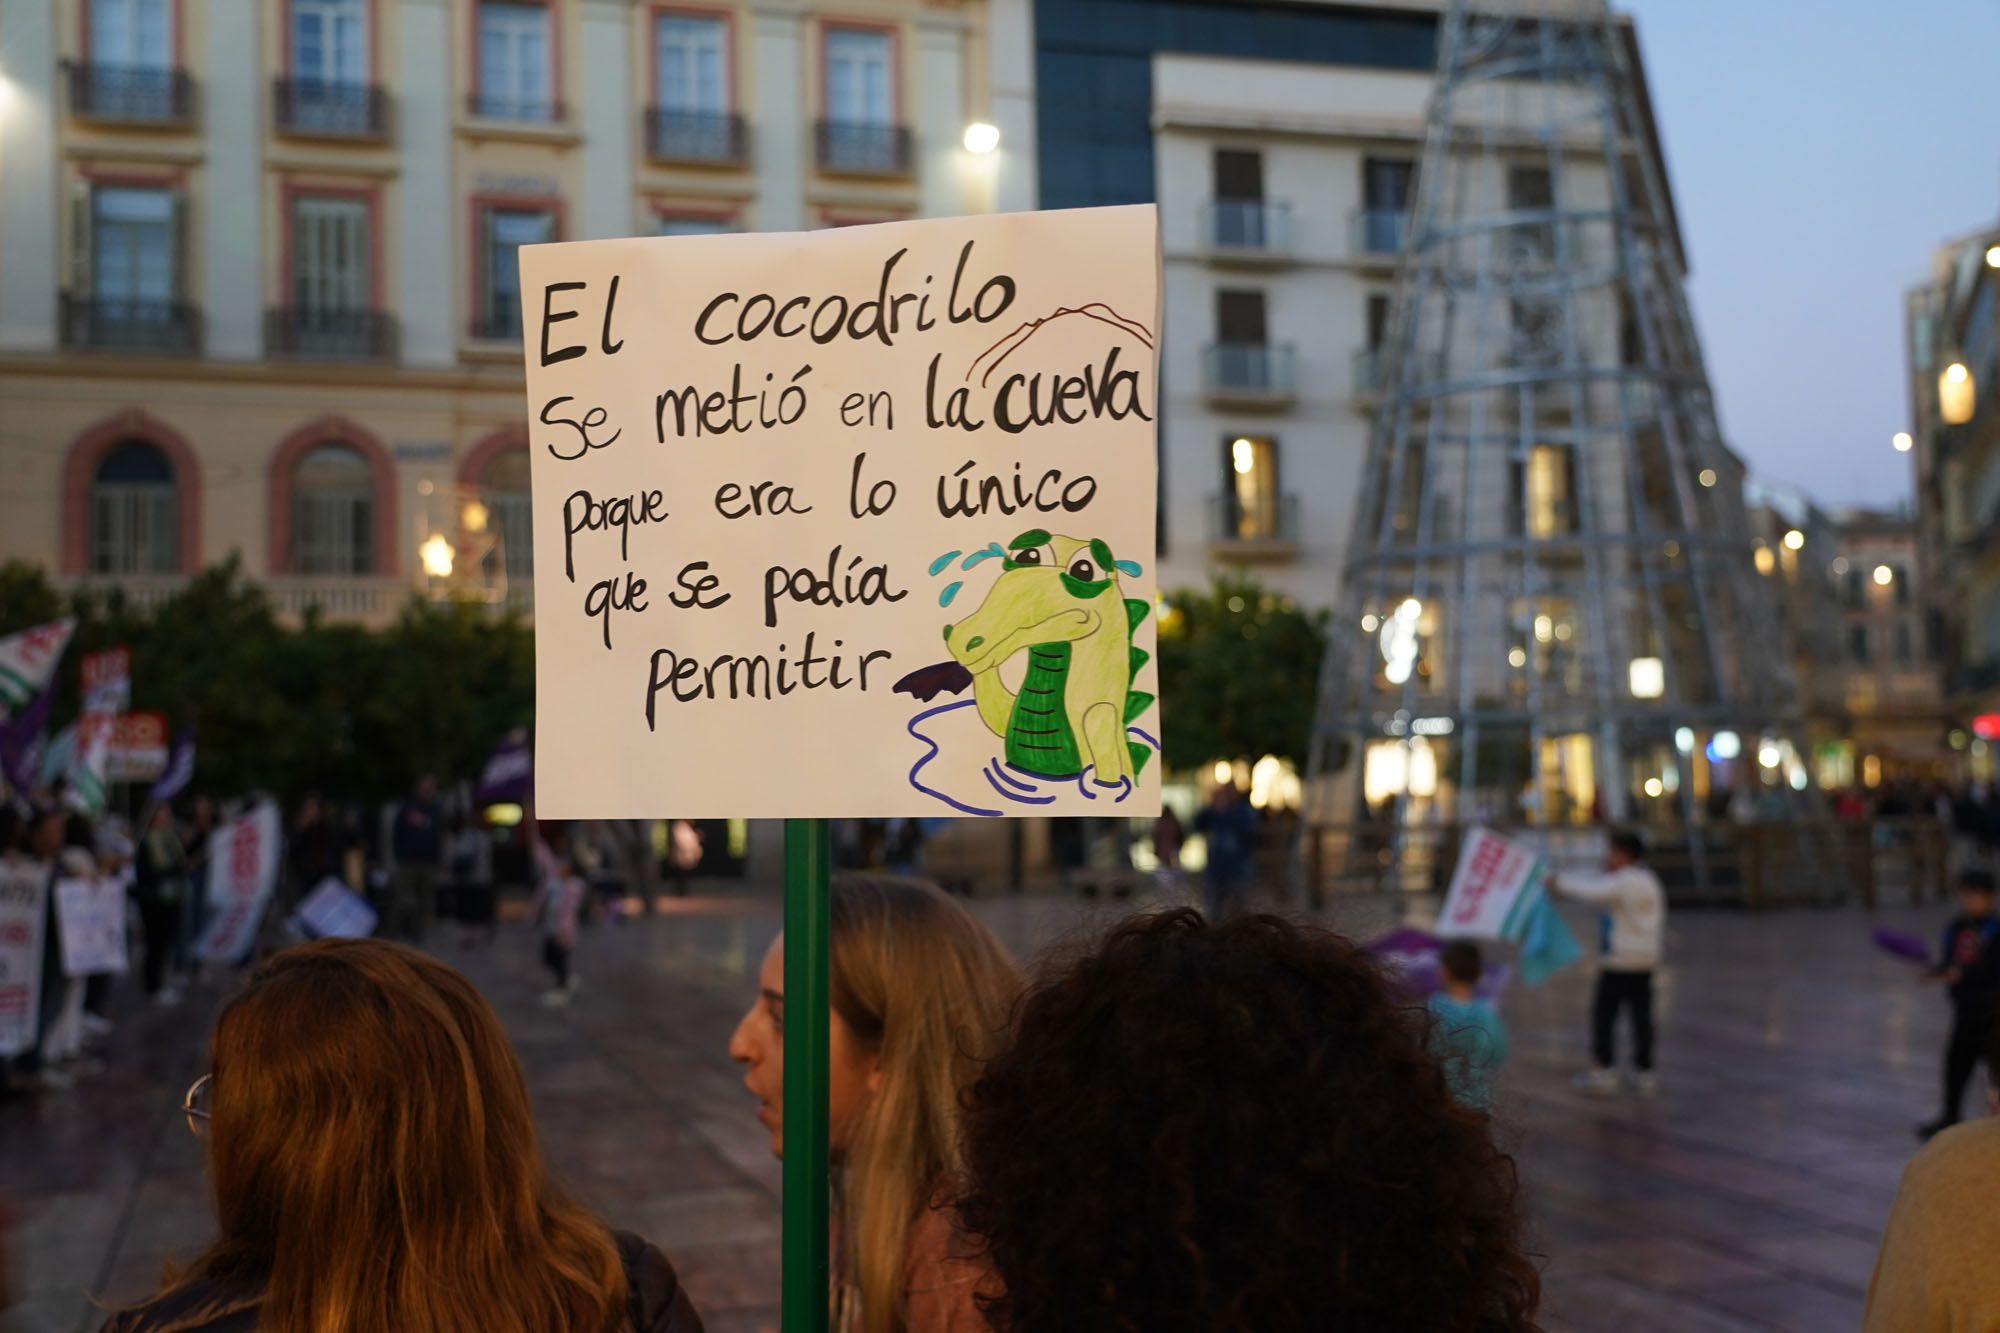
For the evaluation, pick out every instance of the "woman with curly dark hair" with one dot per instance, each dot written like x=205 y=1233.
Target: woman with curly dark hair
x=1235 y=1128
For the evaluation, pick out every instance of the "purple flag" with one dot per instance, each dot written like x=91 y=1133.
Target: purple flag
x=1902 y=944
x=180 y=769
x=21 y=743
x=509 y=776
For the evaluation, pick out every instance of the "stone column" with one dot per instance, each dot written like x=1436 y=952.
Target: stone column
x=30 y=206
x=606 y=112
x=1010 y=46
x=941 y=116
x=229 y=215
x=426 y=297
x=782 y=127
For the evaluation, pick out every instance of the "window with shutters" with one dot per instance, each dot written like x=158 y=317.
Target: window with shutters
x=1532 y=190
x=502 y=230
x=516 y=66
x=504 y=491
x=132 y=34
x=1543 y=487
x=134 y=512
x=333 y=512
x=330 y=41
x=331 y=281
x=1252 y=505
x=691 y=119
x=128 y=279
x=859 y=131
x=1387 y=187
x=130 y=68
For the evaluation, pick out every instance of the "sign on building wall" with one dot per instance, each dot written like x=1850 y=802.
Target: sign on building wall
x=847 y=523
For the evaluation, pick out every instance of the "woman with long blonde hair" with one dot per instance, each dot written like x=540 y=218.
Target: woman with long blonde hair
x=374 y=1167
x=920 y=992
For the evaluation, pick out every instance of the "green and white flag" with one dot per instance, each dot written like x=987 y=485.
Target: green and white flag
x=29 y=658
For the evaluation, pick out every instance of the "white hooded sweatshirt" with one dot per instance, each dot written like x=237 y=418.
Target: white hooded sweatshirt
x=1635 y=913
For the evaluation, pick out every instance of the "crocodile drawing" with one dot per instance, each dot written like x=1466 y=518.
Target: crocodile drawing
x=1057 y=600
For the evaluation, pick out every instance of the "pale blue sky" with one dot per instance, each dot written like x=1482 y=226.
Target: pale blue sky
x=1820 y=150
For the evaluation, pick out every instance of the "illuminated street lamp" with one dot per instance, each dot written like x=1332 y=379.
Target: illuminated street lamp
x=1993 y=256
x=1901 y=439
x=1958 y=397
x=1648 y=677
x=437 y=555
x=1795 y=540
x=981 y=138
x=1884 y=576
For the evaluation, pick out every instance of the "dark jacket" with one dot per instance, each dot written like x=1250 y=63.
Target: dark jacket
x=655 y=1302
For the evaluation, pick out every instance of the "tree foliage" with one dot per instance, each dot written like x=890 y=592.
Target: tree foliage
x=1239 y=669
x=353 y=713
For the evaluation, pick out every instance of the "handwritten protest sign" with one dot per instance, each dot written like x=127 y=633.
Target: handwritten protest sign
x=334 y=911
x=851 y=523
x=1489 y=887
x=90 y=923
x=242 y=872
x=21 y=900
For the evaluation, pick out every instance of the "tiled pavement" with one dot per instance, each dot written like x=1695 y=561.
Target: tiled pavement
x=1748 y=1196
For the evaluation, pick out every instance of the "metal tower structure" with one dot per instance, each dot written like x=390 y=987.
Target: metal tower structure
x=1550 y=611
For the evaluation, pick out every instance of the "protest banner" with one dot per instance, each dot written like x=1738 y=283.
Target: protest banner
x=21 y=901
x=179 y=770
x=242 y=873
x=1488 y=885
x=28 y=660
x=138 y=749
x=1499 y=891
x=90 y=926
x=334 y=911
x=858 y=522
x=107 y=680
x=509 y=776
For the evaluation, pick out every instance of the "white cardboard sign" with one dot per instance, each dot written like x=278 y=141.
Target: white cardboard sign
x=23 y=885
x=334 y=911
x=90 y=921
x=1489 y=884
x=857 y=522
x=242 y=872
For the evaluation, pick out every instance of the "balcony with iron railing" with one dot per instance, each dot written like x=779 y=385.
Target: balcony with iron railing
x=119 y=324
x=1252 y=375
x=1247 y=231
x=855 y=148
x=1376 y=235
x=697 y=138
x=493 y=105
x=1261 y=528
x=330 y=335
x=317 y=108
x=131 y=95
x=497 y=322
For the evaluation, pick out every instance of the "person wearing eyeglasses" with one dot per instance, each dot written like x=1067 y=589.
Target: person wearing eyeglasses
x=374 y=1168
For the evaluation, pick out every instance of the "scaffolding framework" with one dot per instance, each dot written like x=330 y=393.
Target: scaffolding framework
x=1550 y=611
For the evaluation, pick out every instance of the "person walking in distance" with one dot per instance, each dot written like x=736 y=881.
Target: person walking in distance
x=1229 y=827
x=1969 y=966
x=1634 y=924
x=417 y=847
x=160 y=883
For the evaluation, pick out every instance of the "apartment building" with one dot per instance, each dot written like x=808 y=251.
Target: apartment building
x=1281 y=141
x=1889 y=654
x=258 y=291
x=1953 y=360
x=1798 y=546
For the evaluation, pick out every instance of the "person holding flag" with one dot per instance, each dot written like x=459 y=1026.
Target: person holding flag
x=1634 y=924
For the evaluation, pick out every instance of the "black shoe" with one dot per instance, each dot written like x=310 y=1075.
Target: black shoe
x=1930 y=1128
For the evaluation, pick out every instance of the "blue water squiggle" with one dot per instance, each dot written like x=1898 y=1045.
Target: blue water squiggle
x=987 y=773
x=931 y=752
x=1002 y=774
x=950 y=591
x=943 y=560
x=992 y=552
x=1134 y=731
x=1131 y=567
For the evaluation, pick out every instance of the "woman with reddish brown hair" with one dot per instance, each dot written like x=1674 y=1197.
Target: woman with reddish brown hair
x=374 y=1167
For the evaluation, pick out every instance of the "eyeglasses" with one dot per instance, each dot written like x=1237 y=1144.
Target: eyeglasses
x=195 y=1106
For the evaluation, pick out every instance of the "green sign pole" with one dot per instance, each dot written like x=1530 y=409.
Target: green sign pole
x=808 y=852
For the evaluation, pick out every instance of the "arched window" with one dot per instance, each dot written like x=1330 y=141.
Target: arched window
x=503 y=489
x=333 y=511
x=135 y=523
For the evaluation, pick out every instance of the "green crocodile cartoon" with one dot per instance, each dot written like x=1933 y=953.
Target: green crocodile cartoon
x=1057 y=600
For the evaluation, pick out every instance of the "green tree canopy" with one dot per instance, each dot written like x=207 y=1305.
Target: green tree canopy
x=349 y=712
x=1239 y=670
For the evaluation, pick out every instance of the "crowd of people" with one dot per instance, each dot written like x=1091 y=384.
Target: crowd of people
x=1200 y=1121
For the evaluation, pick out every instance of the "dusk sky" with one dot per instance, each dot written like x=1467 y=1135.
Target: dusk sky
x=1820 y=150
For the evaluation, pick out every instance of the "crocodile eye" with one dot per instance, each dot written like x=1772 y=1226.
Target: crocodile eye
x=1083 y=569
x=1028 y=555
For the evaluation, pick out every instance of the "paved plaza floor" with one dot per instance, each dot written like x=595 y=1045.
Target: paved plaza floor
x=1749 y=1195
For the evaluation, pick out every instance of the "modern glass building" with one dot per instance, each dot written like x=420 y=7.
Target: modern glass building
x=1094 y=74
